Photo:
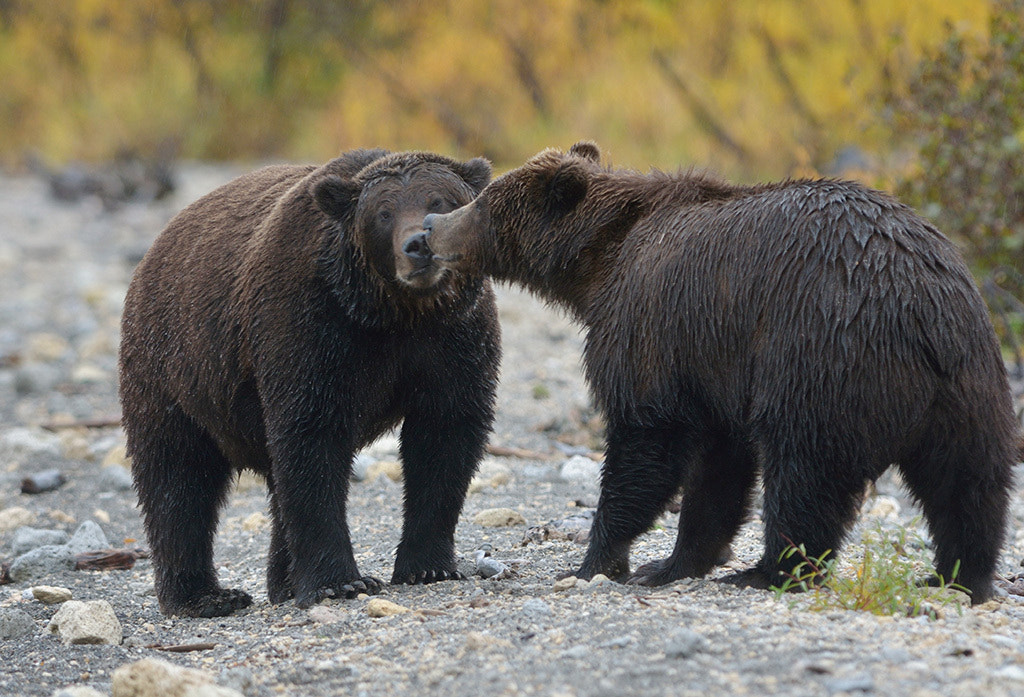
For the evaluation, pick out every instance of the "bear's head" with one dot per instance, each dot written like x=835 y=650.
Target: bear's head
x=515 y=218
x=383 y=206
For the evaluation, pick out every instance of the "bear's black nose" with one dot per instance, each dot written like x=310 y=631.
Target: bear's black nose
x=428 y=222
x=416 y=247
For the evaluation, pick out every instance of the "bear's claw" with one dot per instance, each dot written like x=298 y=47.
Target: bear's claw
x=217 y=603
x=428 y=576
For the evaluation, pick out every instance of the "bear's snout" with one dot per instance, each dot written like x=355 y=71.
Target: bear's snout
x=416 y=248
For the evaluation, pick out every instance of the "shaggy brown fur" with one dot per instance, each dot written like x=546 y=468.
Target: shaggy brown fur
x=812 y=332
x=276 y=325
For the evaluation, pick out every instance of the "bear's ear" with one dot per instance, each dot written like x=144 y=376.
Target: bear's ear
x=587 y=149
x=476 y=172
x=335 y=196
x=567 y=187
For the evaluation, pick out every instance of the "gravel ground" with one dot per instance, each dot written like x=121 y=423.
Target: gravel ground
x=63 y=273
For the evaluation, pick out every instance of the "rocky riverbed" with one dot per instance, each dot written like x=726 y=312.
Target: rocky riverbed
x=64 y=268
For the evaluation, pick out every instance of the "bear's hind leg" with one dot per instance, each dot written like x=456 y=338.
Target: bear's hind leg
x=640 y=475
x=805 y=503
x=962 y=478
x=182 y=480
x=716 y=497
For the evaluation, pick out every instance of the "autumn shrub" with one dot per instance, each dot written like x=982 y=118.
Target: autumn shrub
x=962 y=116
x=886 y=579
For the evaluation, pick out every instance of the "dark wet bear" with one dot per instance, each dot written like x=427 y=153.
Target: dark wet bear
x=275 y=325
x=812 y=332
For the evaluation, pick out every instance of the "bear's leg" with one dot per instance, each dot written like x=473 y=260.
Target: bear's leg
x=311 y=477
x=182 y=480
x=716 y=496
x=810 y=499
x=640 y=475
x=279 y=561
x=962 y=478
x=440 y=452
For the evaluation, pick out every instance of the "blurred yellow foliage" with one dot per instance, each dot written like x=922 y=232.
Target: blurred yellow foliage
x=747 y=87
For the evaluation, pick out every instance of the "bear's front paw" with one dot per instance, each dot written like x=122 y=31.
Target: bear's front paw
x=218 y=603
x=426 y=576
x=348 y=590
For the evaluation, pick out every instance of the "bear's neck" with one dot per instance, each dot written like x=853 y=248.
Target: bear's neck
x=571 y=259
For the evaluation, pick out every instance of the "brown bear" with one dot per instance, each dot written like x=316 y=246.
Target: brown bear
x=276 y=325
x=812 y=332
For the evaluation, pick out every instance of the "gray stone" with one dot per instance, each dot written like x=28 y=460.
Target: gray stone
x=92 y=622
x=36 y=378
x=577 y=652
x=42 y=562
x=581 y=469
x=115 y=478
x=859 y=682
x=683 y=643
x=88 y=537
x=26 y=539
x=536 y=608
x=15 y=623
x=616 y=643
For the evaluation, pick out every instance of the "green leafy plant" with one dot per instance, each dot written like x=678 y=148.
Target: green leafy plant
x=961 y=121
x=886 y=579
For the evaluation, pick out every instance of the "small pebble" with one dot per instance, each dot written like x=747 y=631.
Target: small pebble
x=51 y=595
x=860 y=682
x=41 y=482
x=115 y=477
x=616 y=643
x=498 y=518
x=580 y=469
x=15 y=623
x=77 y=691
x=564 y=584
x=683 y=643
x=379 y=607
x=26 y=539
x=536 y=608
x=15 y=517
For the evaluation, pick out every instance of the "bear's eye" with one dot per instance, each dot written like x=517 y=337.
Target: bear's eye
x=435 y=204
x=384 y=217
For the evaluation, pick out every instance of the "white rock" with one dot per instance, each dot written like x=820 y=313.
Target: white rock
x=92 y=622
x=77 y=691
x=882 y=506
x=581 y=469
x=498 y=518
x=15 y=517
x=18 y=443
x=115 y=477
x=152 y=677
x=379 y=607
x=51 y=595
x=564 y=584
